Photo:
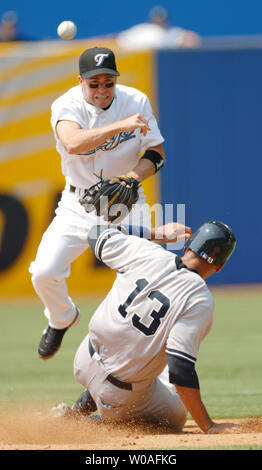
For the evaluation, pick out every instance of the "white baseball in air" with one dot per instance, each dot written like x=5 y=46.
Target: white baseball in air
x=67 y=30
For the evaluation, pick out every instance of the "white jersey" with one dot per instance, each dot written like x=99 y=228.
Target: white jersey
x=153 y=308
x=116 y=156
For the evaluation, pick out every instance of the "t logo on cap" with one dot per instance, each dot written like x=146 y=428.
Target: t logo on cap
x=99 y=58
x=96 y=61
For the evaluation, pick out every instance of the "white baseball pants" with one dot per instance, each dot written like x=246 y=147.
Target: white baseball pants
x=65 y=240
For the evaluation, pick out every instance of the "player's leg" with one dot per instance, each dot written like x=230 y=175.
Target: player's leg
x=112 y=402
x=60 y=245
x=51 y=267
x=164 y=404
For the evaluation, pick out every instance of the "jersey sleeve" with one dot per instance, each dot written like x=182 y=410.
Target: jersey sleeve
x=191 y=327
x=154 y=136
x=65 y=111
x=112 y=246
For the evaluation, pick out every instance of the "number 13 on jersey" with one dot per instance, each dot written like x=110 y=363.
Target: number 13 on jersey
x=156 y=315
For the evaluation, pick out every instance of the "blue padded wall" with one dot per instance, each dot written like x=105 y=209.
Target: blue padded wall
x=210 y=106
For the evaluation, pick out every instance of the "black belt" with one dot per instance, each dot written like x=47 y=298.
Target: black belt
x=111 y=378
x=72 y=189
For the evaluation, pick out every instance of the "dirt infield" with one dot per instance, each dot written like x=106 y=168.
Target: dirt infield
x=32 y=430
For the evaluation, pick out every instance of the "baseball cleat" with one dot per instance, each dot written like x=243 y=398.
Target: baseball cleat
x=85 y=404
x=50 y=342
x=52 y=338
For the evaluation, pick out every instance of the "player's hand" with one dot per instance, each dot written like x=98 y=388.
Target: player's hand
x=171 y=233
x=117 y=180
x=136 y=121
x=223 y=428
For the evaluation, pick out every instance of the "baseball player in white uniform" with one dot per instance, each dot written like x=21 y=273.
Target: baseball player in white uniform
x=100 y=127
x=156 y=315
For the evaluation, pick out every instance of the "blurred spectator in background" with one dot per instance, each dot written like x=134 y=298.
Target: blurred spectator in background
x=157 y=33
x=9 y=28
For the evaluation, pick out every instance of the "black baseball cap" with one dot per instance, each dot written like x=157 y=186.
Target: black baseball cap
x=96 y=61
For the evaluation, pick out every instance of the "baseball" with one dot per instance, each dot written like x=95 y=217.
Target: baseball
x=67 y=30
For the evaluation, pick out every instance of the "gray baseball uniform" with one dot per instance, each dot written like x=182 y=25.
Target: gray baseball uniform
x=155 y=309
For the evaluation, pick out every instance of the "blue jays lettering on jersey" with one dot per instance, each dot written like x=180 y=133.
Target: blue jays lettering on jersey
x=113 y=143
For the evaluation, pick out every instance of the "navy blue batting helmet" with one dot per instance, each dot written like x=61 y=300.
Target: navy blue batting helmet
x=214 y=242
